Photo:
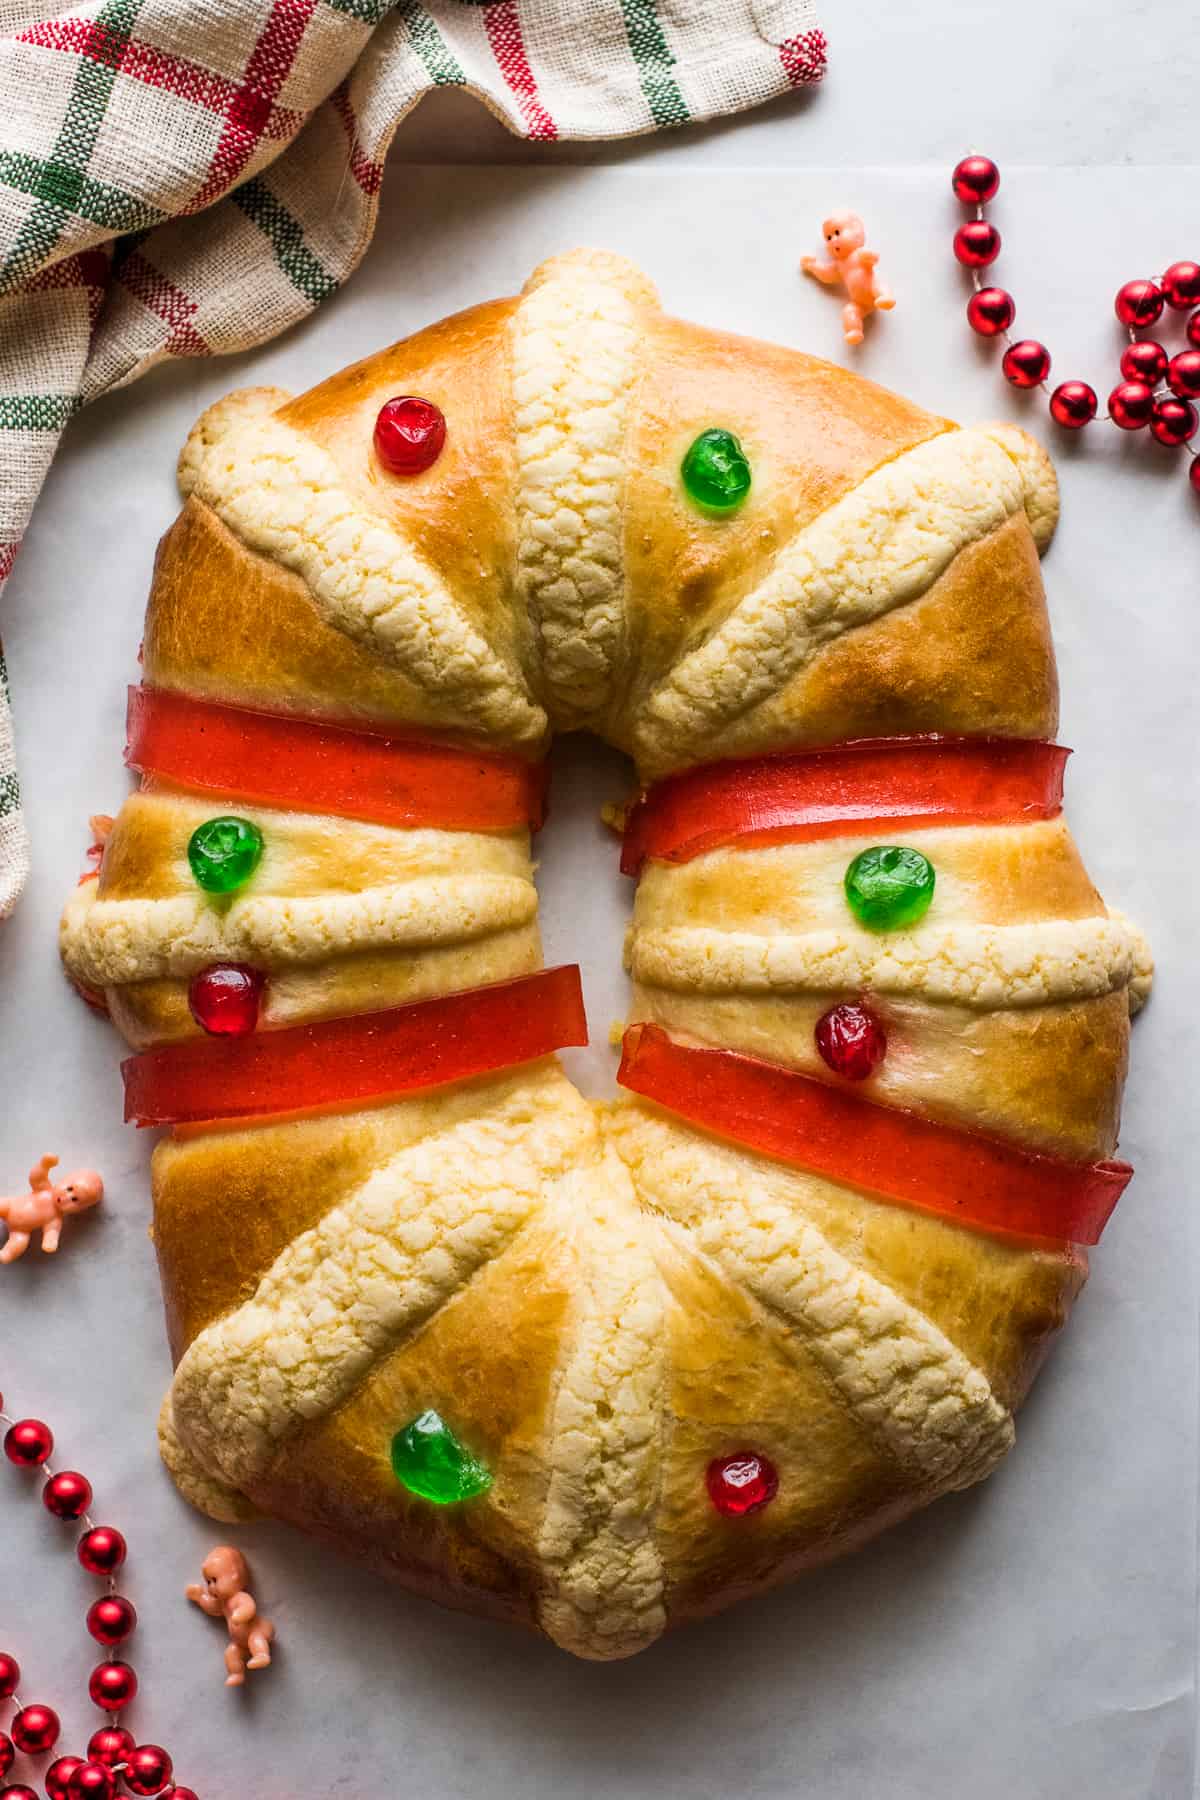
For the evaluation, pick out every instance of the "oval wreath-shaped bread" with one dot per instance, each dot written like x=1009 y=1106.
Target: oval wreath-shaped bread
x=604 y=1300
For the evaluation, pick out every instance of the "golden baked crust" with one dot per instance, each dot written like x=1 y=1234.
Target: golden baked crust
x=604 y=1299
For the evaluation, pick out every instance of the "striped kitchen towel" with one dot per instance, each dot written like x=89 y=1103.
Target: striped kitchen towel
x=187 y=177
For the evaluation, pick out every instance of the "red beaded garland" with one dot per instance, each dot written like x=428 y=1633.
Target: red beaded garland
x=224 y=999
x=101 y=1550
x=35 y=1729
x=1073 y=404
x=990 y=311
x=1026 y=363
x=92 y=1781
x=6 y=1753
x=1193 y=330
x=67 y=1495
x=111 y=1619
x=1139 y=303
x=851 y=1040
x=741 y=1483
x=409 y=434
x=1130 y=405
x=110 y=1745
x=1174 y=422
x=976 y=244
x=28 y=1443
x=1183 y=374
x=149 y=1770
x=1181 y=285
x=10 y=1676
x=975 y=180
x=1144 y=361
x=58 y=1775
x=112 y=1685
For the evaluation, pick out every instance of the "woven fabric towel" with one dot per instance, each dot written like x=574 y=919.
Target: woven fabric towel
x=187 y=177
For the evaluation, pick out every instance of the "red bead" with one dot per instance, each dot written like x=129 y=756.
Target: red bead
x=224 y=998
x=741 y=1484
x=111 y=1619
x=1181 y=285
x=92 y=1781
x=28 y=1443
x=1130 y=405
x=1026 y=363
x=1073 y=403
x=1194 y=473
x=976 y=244
x=975 y=179
x=851 y=1041
x=1144 y=361
x=149 y=1770
x=6 y=1753
x=1193 y=331
x=409 y=435
x=67 y=1495
x=19 y=1792
x=101 y=1550
x=110 y=1745
x=990 y=311
x=1138 y=303
x=58 y=1775
x=178 y=1793
x=112 y=1685
x=1183 y=374
x=35 y=1729
x=10 y=1676
x=1173 y=422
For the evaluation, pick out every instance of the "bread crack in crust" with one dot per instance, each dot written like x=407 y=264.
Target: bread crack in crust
x=610 y=1317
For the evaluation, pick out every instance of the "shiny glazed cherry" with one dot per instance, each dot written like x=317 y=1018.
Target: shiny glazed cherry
x=741 y=1483
x=409 y=435
x=224 y=999
x=851 y=1040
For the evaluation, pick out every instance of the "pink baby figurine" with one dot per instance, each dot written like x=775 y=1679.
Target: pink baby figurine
x=848 y=262
x=45 y=1207
x=224 y=1596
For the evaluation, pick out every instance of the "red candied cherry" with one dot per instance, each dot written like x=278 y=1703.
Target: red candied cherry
x=1026 y=363
x=851 y=1040
x=35 y=1729
x=111 y=1619
x=1139 y=304
x=101 y=1550
x=409 y=434
x=67 y=1495
x=1181 y=285
x=1144 y=361
x=741 y=1483
x=1073 y=404
x=991 y=311
x=975 y=179
x=976 y=244
x=92 y=1781
x=28 y=1443
x=59 y=1774
x=10 y=1676
x=1130 y=405
x=149 y=1770
x=112 y=1685
x=1174 y=422
x=224 y=999
x=111 y=1745
x=1183 y=375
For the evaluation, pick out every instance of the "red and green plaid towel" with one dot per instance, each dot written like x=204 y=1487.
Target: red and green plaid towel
x=186 y=177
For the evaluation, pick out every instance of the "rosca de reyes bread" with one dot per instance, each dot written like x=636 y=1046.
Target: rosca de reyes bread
x=598 y=1369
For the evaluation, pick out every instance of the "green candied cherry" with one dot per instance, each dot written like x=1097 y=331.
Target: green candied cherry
x=224 y=853
x=715 y=472
x=889 y=886
x=431 y=1462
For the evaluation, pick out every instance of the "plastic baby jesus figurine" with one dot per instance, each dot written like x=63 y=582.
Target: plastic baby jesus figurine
x=225 y=1596
x=848 y=262
x=45 y=1207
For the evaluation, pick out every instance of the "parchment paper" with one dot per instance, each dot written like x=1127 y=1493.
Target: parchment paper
x=1034 y=1638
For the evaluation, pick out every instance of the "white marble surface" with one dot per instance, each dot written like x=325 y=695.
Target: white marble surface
x=1033 y=1639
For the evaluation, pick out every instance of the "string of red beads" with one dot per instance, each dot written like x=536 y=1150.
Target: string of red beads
x=113 y=1756
x=1155 y=391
